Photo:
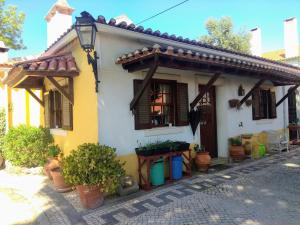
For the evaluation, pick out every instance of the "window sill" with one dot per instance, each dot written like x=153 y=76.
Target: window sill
x=163 y=131
x=265 y=121
x=58 y=132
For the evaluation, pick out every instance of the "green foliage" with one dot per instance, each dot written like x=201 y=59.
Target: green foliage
x=2 y=128
x=53 y=150
x=27 y=146
x=221 y=34
x=93 y=164
x=11 y=23
x=198 y=148
x=235 y=141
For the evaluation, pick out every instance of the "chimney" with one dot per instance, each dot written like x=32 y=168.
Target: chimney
x=3 y=53
x=123 y=18
x=291 y=37
x=255 y=41
x=59 y=20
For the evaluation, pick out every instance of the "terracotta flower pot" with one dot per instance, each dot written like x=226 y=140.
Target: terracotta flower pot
x=237 y=152
x=58 y=180
x=202 y=161
x=51 y=164
x=90 y=196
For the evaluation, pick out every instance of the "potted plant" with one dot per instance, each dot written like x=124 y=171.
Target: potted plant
x=181 y=146
x=94 y=170
x=202 y=159
x=233 y=103
x=58 y=180
x=52 y=161
x=236 y=149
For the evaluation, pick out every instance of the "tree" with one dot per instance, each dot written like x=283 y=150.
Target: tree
x=221 y=34
x=11 y=24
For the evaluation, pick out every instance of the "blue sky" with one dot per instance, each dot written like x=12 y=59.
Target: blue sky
x=187 y=20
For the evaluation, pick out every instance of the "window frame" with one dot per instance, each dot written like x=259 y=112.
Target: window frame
x=171 y=105
x=264 y=104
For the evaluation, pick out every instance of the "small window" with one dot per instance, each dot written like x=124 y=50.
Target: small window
x=58 y=111
x=264 y=104
x=163 y=102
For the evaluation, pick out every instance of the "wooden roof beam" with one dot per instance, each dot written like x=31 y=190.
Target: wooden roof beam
x=290 y=91
x=205 y=89
x=40 y=101
x=145 y=83
x=257 y=85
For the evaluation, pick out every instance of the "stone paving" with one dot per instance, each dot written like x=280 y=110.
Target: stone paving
x=262 y=192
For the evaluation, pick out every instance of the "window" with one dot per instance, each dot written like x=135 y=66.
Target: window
x=58 y=111
x=264 y=104
x=163 y=102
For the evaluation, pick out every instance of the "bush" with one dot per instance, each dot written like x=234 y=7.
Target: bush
x=27 y=146
x=93 y=164
x=2 y=128
x=53 y=151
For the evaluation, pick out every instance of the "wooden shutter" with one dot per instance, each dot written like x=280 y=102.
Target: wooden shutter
x=182 y=104
x=142 y=112
x=47 y=110
x=67 y=113
x=256 y=107
x=272 y=105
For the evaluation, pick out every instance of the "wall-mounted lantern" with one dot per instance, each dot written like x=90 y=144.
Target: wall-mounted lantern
x=241 y=91
x=86 y=31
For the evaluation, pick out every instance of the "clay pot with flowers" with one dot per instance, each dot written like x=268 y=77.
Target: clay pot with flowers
x=202 y=158
x=94 y=170
x=52 y=160
x=236 y=149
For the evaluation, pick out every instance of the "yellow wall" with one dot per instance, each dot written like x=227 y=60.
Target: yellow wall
x=85 y=119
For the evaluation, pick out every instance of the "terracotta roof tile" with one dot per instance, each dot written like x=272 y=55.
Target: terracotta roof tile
x=203 y=57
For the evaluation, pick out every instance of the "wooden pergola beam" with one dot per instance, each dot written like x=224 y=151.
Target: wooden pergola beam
x=290 y=91
x=145 y=83
x=35 y=97
x=69 y=96
x=257 y=85
x=205 y=89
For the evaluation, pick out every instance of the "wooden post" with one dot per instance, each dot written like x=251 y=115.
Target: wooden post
x=205 y=89
x=35 y=97
x=145 y=83
x=250 y=92
x=290 y=91
x=61 y=89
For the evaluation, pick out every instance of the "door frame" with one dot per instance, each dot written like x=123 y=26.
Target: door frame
x=215 y=153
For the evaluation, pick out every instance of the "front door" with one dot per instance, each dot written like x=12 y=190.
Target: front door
x=292 y=114
x=208 y=125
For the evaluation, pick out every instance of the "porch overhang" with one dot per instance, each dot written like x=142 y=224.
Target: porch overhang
x=31 y=74
x=279 y=74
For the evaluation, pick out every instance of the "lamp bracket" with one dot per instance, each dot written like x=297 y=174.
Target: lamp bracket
x=93 y=61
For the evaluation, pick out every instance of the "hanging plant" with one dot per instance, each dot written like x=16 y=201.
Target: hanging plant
x=233 y=103
x=248 y=102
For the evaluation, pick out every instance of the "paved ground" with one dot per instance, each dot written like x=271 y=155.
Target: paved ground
x=263 y=192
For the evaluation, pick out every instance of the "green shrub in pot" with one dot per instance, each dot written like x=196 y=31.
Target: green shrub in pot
x=27 y=146
x=94 y=168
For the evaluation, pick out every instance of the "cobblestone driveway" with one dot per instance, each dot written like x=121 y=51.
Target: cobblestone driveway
x=261 y=192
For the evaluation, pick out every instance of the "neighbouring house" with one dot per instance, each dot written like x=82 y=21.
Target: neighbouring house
x=290 y=54
x=20 y=107
x=150 y=82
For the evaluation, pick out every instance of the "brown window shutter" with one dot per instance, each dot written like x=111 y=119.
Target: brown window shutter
x=272 y=105
x=47 y=110
x=182 y=104
x=67 y=114
x=256 y=107
x=142 y=116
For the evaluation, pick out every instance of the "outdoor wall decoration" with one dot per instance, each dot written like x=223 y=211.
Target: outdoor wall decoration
x=241 y=91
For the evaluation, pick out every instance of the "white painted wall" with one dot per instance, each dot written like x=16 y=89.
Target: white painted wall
x=58 y=24
x=116 y=122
